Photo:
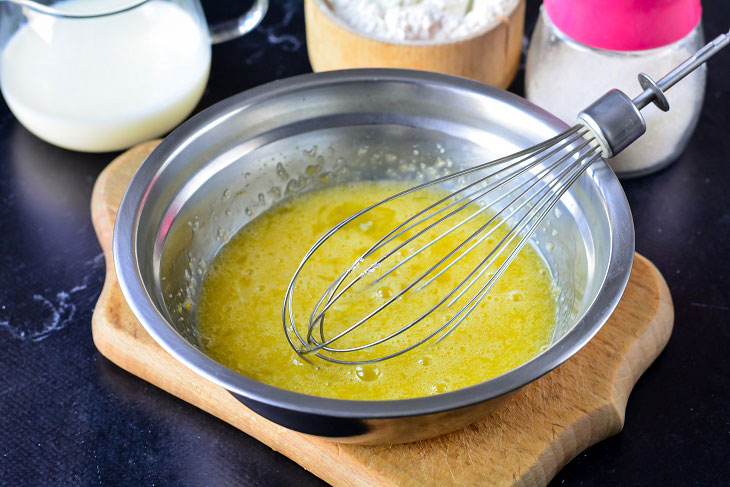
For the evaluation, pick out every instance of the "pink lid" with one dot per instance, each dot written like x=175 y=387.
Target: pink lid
x=625 y=25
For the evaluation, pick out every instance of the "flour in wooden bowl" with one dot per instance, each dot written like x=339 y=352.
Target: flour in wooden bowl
x=421 y=20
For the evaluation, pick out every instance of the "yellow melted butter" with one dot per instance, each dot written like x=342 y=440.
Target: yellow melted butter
x=240 y=303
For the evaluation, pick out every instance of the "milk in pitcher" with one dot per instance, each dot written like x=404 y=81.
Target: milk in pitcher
x=105 y=83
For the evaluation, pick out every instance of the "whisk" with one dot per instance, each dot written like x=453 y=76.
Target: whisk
x=516 y=194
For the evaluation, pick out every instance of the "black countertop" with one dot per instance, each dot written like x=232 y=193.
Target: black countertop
x=70 y=417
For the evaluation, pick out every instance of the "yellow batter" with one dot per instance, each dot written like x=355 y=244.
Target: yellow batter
x=239 y=307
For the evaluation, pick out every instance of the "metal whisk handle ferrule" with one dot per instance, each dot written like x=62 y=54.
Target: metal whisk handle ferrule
x=615 y=119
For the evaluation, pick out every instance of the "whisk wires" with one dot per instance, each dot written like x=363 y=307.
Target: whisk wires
x=515 y=194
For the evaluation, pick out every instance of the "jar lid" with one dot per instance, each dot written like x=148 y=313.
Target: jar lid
x=625 y=25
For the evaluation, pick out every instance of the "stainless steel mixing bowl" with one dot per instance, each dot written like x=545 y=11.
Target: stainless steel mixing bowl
x=236 y=159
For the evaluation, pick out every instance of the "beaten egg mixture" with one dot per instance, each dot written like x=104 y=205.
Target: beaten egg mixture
x=239 y=310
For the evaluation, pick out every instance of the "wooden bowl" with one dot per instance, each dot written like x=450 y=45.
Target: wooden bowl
x=491 y=56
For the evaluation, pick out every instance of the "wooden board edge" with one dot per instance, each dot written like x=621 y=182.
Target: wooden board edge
x=642 y=352
x=645 y=349
x=103 y=216
x=103 y=224
x=116 y=345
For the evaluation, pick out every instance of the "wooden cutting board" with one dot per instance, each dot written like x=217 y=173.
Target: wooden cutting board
x=526 y=442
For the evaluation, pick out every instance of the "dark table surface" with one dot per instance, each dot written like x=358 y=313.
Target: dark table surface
x=70 y=417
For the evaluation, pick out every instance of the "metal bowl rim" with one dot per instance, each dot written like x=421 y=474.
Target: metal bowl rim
x=133 y=289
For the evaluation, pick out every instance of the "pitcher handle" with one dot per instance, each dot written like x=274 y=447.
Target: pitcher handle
x=230 y=29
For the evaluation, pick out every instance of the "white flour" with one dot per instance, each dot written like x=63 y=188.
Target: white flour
x=421 y=20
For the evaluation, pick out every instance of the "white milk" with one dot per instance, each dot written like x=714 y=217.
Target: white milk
x=106 y=83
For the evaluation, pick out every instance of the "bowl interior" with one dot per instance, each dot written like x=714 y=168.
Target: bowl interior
x=234 y=161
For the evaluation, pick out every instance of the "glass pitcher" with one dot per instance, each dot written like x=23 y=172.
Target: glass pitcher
x=103 y=75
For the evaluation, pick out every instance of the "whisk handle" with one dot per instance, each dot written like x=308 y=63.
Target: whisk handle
x=615 y=119
x=654 y=91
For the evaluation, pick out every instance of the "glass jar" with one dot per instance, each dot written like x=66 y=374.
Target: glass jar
x=103 y=75
x=564 y=76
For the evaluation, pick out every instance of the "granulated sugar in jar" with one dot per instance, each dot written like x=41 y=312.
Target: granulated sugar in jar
x=580 y=50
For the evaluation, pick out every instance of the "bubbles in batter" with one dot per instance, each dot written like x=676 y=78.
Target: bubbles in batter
x=240 y=301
